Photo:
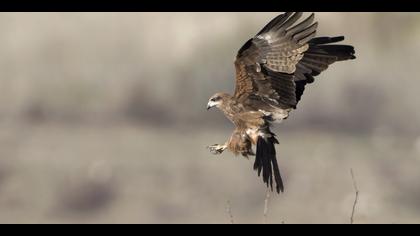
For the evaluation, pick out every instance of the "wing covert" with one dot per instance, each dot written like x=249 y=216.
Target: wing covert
x=275 y=65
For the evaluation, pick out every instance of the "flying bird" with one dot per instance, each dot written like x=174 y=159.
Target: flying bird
x=272 y=70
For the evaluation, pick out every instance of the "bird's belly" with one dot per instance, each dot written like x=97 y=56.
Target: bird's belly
x=253 y=135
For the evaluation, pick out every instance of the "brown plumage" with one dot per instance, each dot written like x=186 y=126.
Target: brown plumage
x=272 y=70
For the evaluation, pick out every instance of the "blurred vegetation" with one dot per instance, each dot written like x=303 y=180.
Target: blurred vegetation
x=161 y=68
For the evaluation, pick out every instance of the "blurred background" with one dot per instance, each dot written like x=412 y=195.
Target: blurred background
x=103 y=120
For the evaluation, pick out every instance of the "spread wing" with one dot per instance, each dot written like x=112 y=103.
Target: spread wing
x=273 y=68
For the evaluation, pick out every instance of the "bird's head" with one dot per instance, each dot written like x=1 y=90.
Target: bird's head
x=217 y=100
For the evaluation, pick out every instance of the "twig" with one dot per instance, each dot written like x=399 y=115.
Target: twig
x=267 y=198
x=356 y=197
x=229 y=211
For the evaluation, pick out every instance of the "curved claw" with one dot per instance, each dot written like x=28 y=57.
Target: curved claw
x=216 y=149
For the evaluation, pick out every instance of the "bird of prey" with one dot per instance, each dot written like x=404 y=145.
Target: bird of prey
x=272 y=70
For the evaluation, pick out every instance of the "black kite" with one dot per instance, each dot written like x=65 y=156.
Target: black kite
x=272 y=70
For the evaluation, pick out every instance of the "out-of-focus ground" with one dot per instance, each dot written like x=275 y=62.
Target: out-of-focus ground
x=103 y=120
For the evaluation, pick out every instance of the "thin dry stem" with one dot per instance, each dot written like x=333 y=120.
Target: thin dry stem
x=356 y=189
x=267 y=198
x=229 y=211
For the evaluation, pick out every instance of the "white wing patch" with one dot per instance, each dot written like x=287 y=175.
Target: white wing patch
x=278 y=115
x=255 y=133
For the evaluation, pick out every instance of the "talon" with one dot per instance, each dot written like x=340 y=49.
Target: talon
x=216 y=149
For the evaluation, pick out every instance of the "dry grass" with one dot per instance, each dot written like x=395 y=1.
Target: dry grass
x=184 y=183
x=268 y=195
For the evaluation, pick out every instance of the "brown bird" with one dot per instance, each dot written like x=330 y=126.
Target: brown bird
x=272 y=70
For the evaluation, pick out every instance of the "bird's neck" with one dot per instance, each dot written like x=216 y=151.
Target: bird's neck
x=230 y=107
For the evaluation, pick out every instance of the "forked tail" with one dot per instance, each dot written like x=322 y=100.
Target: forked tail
x=266 y=162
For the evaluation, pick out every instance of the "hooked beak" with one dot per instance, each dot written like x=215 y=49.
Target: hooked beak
x=210 y=105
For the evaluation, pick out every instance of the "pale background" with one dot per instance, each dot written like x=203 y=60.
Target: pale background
x=103 y=120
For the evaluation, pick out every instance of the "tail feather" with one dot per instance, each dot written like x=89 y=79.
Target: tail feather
x=266 y=162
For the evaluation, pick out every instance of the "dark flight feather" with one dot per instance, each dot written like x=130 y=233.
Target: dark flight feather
x=280 y=19
x=319 y=56
x=266 y=162
x=283 y=53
